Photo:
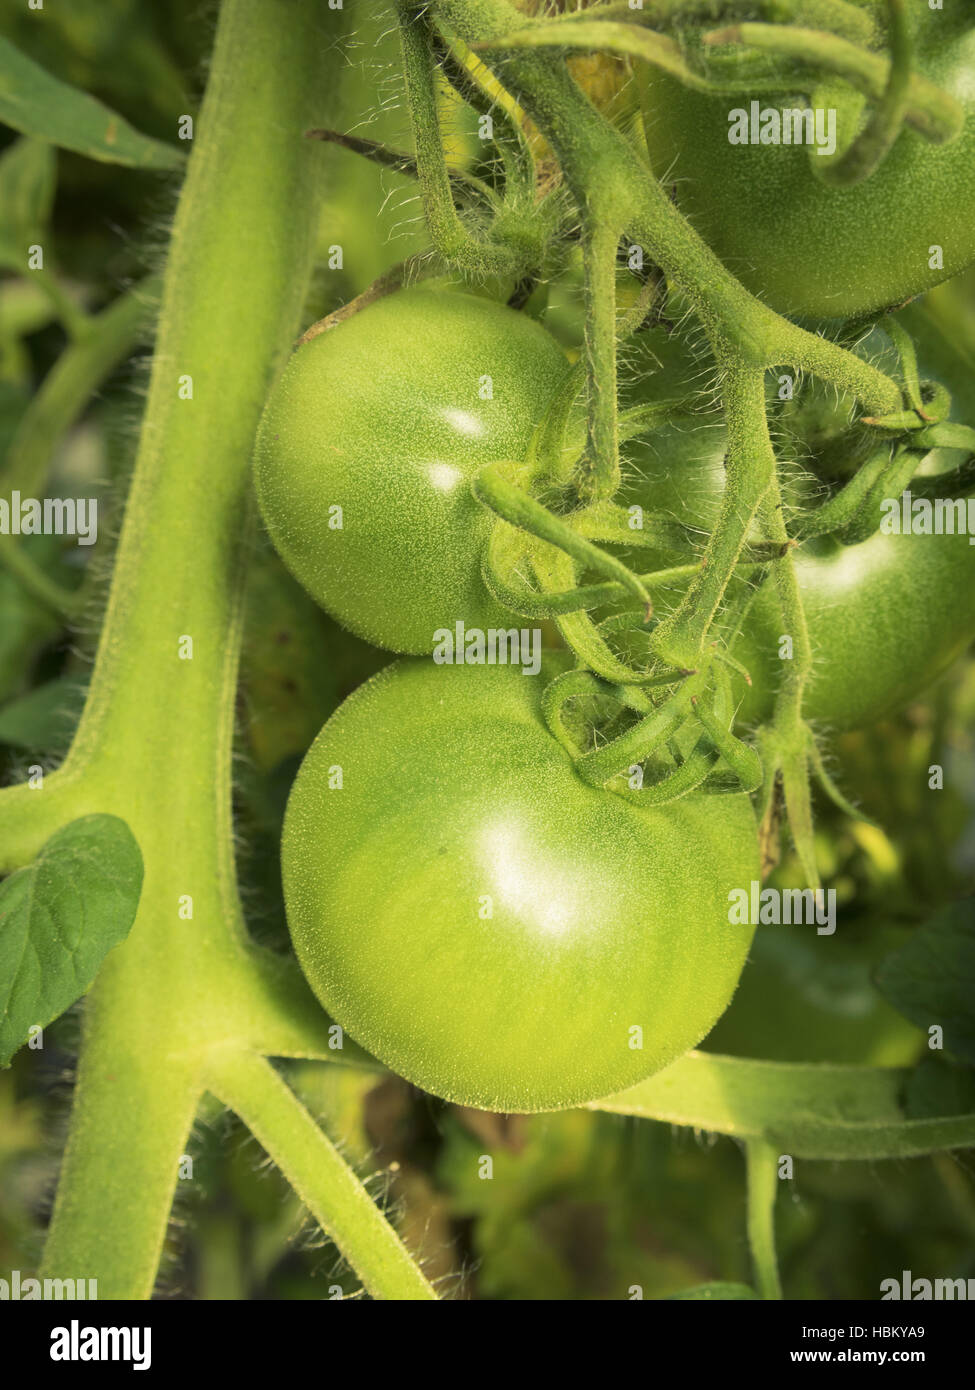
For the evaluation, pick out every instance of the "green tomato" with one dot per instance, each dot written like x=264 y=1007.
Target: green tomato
x=387 y=418
x=885 y=617
x=484 y=922
x=801 y=245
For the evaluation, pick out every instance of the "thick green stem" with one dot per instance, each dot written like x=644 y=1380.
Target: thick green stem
x=762 y=1166
x=135 y=1098
x=328 y=1187
x=154 y=745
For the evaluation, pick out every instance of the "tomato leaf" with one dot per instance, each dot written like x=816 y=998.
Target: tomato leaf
x=60 y=917
x=43 y=720
x=939 y=1087
x=931 y=980
x=35 y=103
x=28 y=174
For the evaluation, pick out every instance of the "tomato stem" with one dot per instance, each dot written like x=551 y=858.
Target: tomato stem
x=932 y=112
x=870 y=147
x=598 y=474
x=761 y=1163
x=155 y=741
x=495 y=491
x=606 y=175
x=750 y=470
x=326 y=1184
x=473 y=256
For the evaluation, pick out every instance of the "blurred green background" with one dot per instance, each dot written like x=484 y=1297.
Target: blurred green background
x=581 y=1205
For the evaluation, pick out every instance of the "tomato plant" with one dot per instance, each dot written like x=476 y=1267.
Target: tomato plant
x=368 y=446
x=803 y=245
x=564 y=441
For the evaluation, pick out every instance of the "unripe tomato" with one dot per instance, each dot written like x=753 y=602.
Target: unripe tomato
x=484 y=922
x=367 y=448
x=803 y=246
x=885 y=617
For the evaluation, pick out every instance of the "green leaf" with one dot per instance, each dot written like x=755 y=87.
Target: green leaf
x=43 y=720
x=940 y=1087
x=28 y=175
x=706 y=1292
x=812 y=1110
x=931 y=980
x=60 y=917
x=35 y=103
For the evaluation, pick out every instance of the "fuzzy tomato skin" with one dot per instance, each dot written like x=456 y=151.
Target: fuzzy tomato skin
x=388 y=416
x=457 y=803
x=807 y=248
x=885 y=618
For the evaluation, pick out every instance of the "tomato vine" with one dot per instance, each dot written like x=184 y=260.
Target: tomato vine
x=190 y=1006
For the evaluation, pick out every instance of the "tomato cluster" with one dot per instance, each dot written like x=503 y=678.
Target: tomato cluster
x=488 y=924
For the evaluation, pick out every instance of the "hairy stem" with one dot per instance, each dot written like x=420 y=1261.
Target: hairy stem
x=154 y=744
x=604 y=171
x=797 y=671
x=750 y=471
x=328 y=1187
x=450 y=237
x=600 y=468
x=932 y=112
